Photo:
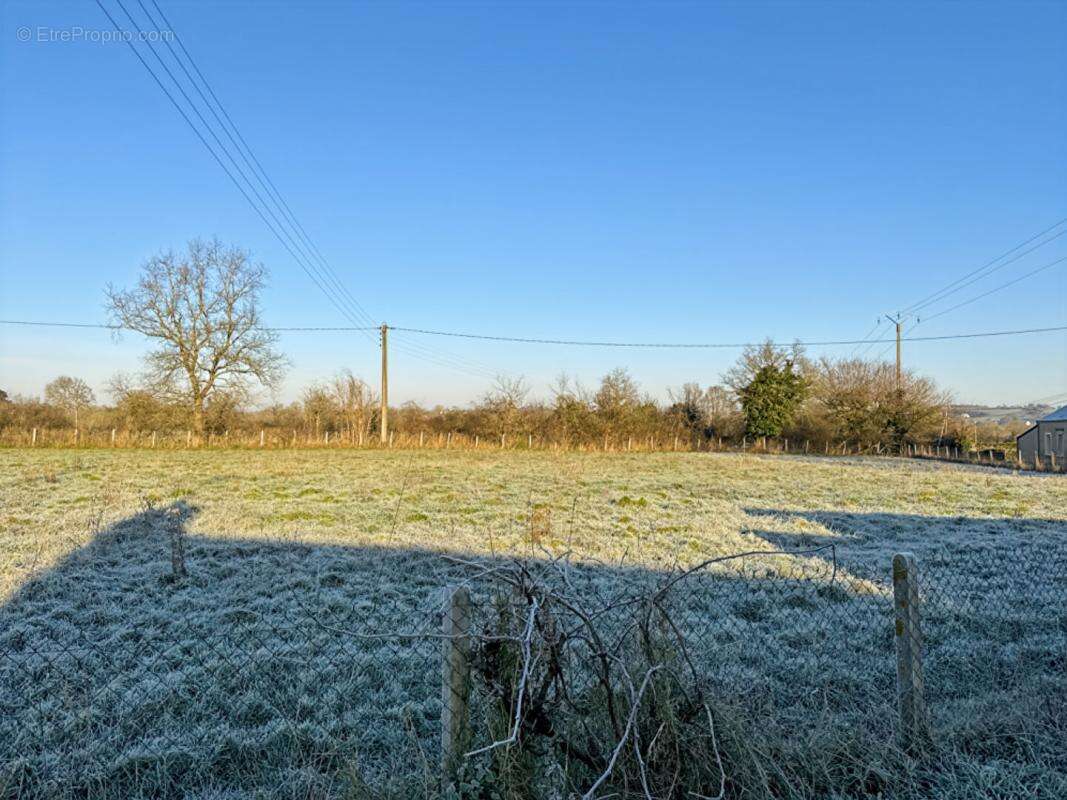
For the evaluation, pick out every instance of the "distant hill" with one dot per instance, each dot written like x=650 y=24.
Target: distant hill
x=1004 y=414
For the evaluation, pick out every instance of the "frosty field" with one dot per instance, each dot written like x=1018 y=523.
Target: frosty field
x=249 y=677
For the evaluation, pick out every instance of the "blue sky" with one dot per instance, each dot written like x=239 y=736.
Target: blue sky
x=650 y=172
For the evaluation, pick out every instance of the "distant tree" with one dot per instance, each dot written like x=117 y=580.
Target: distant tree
x=222 y=413
x=202 y=308
x=355 y=400
x=617 y=393
x=321 y=411
x=754 y=358
x=689 y=410
x=69 y=394
x=703 y=412
x=138 y=409
x=859 y=401
x=3 y=397
x=503 y=403
x=854 y=397
x=919 y=411
x=572 y=417
x=771 y=399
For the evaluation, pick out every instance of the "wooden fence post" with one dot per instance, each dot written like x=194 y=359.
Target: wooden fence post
x=33 y=438
x=262 y=437
x=112 y=437
x=455 y=683
x=911 y=698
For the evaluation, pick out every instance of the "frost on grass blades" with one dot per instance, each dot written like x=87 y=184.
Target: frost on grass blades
x=300 y=653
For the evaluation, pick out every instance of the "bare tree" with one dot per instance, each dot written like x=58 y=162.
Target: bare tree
x=356 y=401
x=70 y=394
x=756 y=357
x=860 y=402
x=504 y=402
x=202 y=308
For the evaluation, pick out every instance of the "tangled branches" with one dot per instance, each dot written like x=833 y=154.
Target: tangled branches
x=587 y=694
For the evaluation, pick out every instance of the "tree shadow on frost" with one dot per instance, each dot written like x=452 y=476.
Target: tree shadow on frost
x=260 y=671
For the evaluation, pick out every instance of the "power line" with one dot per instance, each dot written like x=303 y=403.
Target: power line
x=734 y=345
x=322 y=275
x=867 y=336
x=585 y=343
x=996 y=289
x=105 y=326
x=973 y=276
x=885 y=350
x=215 y=155
x=254 y=166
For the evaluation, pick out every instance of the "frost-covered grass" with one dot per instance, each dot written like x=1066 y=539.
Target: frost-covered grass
x=244 y=679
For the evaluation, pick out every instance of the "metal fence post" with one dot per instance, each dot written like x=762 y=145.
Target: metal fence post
x=914 y=724
x=455 y=683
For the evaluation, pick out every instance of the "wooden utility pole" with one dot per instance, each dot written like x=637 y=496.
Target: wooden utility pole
x=898 y=320
x=385 y=384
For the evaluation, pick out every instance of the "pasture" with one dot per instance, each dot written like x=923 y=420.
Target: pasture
x=244 y=678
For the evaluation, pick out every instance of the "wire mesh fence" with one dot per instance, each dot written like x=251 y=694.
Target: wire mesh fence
x=319 y=671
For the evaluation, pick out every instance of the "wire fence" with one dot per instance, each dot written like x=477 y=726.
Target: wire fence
x=318 y=673
x=275 y=438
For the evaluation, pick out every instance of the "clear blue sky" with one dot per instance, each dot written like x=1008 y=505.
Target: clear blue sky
x=687 y=172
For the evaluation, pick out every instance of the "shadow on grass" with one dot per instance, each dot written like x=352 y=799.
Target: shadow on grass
x=263 y=672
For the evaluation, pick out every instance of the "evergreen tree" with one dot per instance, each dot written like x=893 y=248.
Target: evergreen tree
x=771 y=399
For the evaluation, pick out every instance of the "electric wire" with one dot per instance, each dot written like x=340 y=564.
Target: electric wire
x=323 y=274
x=218 y=160
x=945 y=291
x=996 y=289
x=590 y=343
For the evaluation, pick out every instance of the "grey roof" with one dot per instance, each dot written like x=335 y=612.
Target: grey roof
x=1059 y=415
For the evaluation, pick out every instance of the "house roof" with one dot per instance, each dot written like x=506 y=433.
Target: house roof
x=1059 y=415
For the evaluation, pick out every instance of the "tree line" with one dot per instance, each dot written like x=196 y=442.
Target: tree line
x=823 y=402
x=211 y=350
